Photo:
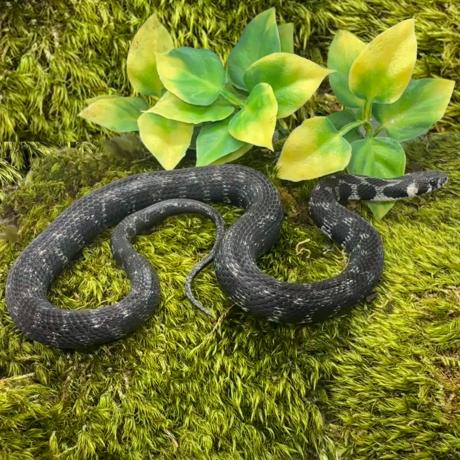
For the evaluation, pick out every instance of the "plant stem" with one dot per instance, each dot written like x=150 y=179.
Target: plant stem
x=367 y=112
x=350 y=126
x=379 y=130
x=232 y=98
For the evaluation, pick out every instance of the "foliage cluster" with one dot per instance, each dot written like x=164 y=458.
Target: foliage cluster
x=222 y=111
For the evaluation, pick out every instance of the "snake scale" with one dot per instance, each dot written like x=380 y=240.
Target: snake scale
x=134 y=204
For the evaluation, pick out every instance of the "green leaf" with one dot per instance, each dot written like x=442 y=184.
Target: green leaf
x=117 y=113
x=383 y=69
x=196 y=76
x=142 y=64
x=417 y=110
x=167 y=140
x=343 y=118
x=380 y=157
x=214 y=142
x=344 y=49
x=286 y=33
x=293 y=79
x=313 y=149
x=170 y=106
x=234 y=156
x=259 y=38
x=256 y=121
x=380 y=208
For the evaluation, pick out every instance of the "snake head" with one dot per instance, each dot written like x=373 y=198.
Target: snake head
x=422 y=182
x=434 y=180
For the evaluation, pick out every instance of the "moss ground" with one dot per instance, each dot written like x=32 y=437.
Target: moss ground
x=381 y=382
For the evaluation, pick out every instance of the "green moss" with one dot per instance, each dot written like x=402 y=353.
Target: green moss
x=380 y=382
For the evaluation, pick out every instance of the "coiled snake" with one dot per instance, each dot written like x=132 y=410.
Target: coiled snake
x=137 y=202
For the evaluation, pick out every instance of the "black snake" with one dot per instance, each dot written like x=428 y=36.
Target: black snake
x=137 y=202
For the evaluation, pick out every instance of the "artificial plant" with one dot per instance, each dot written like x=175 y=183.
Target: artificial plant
x=220 y=110
x=223 y=110
x=383 y=106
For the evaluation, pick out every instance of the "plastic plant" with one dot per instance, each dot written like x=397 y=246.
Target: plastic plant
x=383 y=107
x=221 y=111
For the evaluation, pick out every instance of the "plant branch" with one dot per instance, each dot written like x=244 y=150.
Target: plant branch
x=232 y=98
x=367 y=112
x=379 y=130
x=345 y=129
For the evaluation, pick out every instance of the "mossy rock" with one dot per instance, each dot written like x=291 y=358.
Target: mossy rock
x=379 y=382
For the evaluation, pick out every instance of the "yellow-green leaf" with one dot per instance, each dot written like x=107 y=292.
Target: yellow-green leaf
x=100 y=98
x=383 y=69
x=380 y=157
x=256 y=121
x=117 y=113
x=259 y=38
x=286 y=32
x=196 y=76
x=214 y=142
x=344 y=49
x=167 y=140
x=293 y=79
x=313 y=149
x=170 y=106
x=417 y=110
x=141 y=64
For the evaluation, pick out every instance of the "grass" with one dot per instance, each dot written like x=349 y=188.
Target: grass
x=381 y=382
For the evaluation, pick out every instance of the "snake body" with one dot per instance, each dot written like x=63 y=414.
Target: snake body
x=137 y=202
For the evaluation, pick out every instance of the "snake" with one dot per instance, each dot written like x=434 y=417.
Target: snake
x=136 y=203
